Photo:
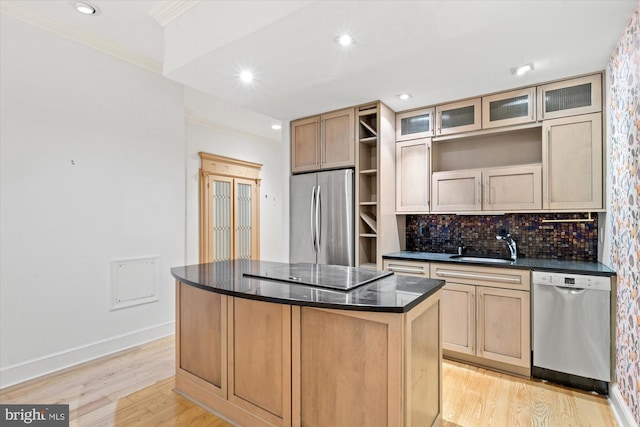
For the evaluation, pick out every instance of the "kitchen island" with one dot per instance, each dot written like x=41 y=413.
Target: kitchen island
x=271 y=344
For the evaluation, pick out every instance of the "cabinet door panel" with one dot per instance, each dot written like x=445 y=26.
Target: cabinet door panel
x=463 y=116
x=305 y=144
x=509 y=108
x=412 y=176
x=504 y=325
x=571 y=97
x=261 y=385
x=356 y=393
x=414 y=124
x=338 y=145
x=457 y=191
x=203 y=336
x=513 y=188
x=458 y=318
x=572 y=156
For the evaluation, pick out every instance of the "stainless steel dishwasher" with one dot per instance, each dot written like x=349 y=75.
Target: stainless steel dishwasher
x=572 y=330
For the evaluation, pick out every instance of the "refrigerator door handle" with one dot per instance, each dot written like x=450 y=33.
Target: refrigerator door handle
x=313 y=228
x=318 y=220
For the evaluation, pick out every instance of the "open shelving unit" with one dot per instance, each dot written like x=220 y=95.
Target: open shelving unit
x=367 y=211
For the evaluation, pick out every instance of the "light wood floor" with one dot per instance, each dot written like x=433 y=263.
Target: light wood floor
x=134 y=388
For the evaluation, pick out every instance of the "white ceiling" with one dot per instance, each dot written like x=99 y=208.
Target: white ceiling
x=436 y=50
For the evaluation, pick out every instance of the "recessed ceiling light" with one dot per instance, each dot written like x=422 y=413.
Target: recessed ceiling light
x=246 y=76
x=86 y=8
x=522 y=69
x=404 y=96
x=276 y=127
x=344 y=40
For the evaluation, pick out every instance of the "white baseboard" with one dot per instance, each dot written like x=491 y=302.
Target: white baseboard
x=621 y=411
x=34 y=368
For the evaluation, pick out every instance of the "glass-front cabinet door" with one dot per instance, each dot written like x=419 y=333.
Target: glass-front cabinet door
x=509 y=108
x=414 y=124
x=571 y=97
x=463 y=116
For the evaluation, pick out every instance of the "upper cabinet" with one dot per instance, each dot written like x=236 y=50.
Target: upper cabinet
x=509 y=108
x=305 y=144
x=572 y=161
x=462 y=116
x=414 y=124
x=323 y=142
x=413 y=175
x=582 y=95
x=337 y=148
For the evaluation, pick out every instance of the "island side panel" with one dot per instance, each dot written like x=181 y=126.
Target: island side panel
x=260 y=359
x=201 y=338
x=423 y=353
x=346 y=368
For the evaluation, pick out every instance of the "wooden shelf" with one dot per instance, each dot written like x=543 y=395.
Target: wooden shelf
x=370 y=220
x=368 y=128
x=369 y=265
x=368 y=171
x=370 y=141
x=369 y=111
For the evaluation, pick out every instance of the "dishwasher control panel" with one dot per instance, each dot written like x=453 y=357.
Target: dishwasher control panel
x=569 y=280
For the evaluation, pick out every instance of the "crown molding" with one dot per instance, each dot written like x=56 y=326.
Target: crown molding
x=86 y=39
x=168 y=10
x=206 y=123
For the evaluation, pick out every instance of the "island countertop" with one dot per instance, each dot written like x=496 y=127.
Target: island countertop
x=393 y=293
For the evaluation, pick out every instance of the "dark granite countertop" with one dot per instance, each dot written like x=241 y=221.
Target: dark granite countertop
x=394 y=293
x=542 y=264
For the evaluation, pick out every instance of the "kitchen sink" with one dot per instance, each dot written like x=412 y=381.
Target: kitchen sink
x=488 y=260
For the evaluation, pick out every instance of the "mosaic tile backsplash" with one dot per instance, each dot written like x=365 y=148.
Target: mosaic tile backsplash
x=477 y=234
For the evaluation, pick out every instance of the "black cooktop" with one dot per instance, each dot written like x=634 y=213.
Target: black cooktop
x=325 y=276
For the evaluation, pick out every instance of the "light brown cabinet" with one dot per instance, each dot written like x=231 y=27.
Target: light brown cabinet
x=323 y=142
x=456 y=191
x=305 y=144
x=203 y=330
x=413 y=175
x=459 y=319
x=571 y=97
x=509 y=188
x=218 y=337
x=229 y=209
x=415 y=124
x=260 y=385
x=512 y=188
x=503 y=326
x=486 y=316
x=462 y=116
x=367 y=369
x=509 y=108
x=266 y=364
x=572 y=161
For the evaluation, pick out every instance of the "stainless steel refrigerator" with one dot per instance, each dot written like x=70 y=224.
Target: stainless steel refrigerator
x=321 y=218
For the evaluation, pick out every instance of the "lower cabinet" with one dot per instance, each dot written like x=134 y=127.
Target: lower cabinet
x=265 y=364
x=367 y=369
x=407 y=268
x=234 y=355
x=486 y=316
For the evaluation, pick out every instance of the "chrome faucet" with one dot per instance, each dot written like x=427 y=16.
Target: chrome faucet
x=510 y=243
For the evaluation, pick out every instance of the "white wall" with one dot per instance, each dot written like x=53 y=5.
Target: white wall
x=92 y=169
x=208 y=130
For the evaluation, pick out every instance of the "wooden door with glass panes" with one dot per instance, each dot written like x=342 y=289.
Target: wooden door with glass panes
x=229 y=209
